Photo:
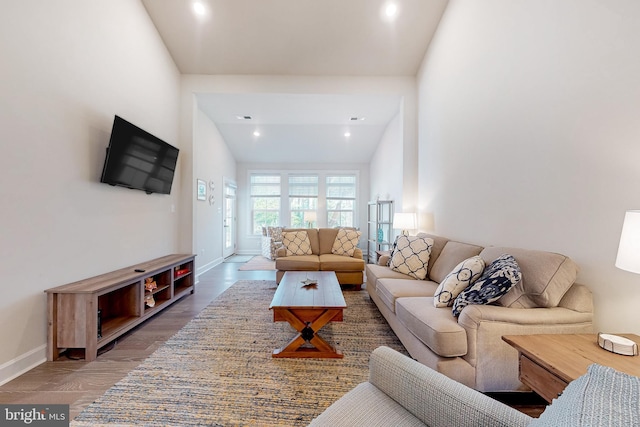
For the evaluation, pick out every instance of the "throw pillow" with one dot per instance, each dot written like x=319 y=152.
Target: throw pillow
x=496 y=280
x=411 y=256
x=296 y=243
x=463 y=275
x=601 y=397
x=346 y=242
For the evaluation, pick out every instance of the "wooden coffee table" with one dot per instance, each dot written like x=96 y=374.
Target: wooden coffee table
x=308 y=309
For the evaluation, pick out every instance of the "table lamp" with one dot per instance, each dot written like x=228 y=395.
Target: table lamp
x=404 y=221
x=310 y=217
x=629 y=249
x=628 y=259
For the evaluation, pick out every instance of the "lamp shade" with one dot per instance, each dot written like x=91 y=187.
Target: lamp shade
x=629 y=249
x=404 y=221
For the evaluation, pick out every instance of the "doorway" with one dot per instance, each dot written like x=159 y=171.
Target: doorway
x=229 y=219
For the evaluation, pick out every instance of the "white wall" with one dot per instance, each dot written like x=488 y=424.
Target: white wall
x=386 y=168
x=213 y=161
x=67 y=68
x=529 y=134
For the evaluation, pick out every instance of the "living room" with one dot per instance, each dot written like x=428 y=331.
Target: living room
x=518 y=130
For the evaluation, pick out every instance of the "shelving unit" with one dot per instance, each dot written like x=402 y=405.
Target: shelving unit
x=91 y=313
x=379 y=228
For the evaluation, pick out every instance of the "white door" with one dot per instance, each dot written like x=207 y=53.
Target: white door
x=229 y=218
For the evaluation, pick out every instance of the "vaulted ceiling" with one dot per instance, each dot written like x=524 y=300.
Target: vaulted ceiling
x=302 y=38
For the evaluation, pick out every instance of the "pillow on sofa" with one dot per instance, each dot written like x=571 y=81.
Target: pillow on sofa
x=411 y=256
x=463 y=275
x=346 y=242
x=296 y=243
x=496 y=280
x=601 y=397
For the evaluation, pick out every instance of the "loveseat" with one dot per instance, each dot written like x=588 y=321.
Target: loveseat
x=322 y=254
x=402 y=392
x=469 y=348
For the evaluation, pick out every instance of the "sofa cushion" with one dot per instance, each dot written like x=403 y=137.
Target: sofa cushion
x=296 y=243
x=463 y=275
x=496 y=280
x=390 y=289
x=346 y=242
x=375 y=272
x=298 y=263
x=438 y=244
x=451 y=255
x=411 y=256
x=326 y=237
x=331 y=262
x=434 y=326
x=601 y=397
x=546 y=276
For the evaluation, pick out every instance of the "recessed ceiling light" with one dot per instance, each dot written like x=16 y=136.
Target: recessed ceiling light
x=391 y=10
x=243 y=117
x=347 y=134
x=256 y=133
x=199 y=8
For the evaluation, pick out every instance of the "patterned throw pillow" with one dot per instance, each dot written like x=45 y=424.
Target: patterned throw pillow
x=296 y=243
x=496 y=280
x=411 y=256
x=346 y=242
x=463 y=275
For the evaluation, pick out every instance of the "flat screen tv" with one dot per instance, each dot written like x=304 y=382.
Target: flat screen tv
x=136 y=159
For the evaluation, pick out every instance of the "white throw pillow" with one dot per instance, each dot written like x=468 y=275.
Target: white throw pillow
x=463 y=275
x=346 y=242
x=296 y=243
x=411 y=256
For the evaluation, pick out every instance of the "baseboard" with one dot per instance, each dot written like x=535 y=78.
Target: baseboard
x=23 y=363
x=204 y=268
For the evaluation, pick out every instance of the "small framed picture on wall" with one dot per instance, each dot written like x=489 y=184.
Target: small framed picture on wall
x=202 y=190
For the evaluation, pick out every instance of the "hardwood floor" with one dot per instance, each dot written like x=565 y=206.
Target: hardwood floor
x=78 y=383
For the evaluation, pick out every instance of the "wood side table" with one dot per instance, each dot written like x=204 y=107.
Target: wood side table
x=549 y=362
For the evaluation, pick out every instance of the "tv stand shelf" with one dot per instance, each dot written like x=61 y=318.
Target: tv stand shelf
x=93 y=312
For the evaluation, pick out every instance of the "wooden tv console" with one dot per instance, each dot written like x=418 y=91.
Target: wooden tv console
x=91 y=313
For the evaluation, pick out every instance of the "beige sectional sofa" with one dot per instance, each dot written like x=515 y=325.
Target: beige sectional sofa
x=349 y=269
x=469 y=348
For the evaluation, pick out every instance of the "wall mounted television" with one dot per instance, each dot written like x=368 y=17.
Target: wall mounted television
x=136 y=159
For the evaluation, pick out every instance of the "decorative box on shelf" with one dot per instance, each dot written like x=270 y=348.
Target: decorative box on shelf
x=181 y=272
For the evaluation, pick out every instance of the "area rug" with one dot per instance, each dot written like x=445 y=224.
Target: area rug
x=258 y=263
x=218 y=369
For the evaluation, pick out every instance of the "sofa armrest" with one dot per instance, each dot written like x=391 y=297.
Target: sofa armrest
x=357 y=253
x=495 y=361
x=474 y=315
x=434 y=398
x=281 y=251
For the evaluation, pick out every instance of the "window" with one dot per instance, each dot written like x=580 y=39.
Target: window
x=341 y=200
x=265 y=201
x=303 y=201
